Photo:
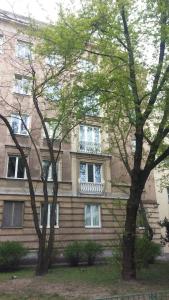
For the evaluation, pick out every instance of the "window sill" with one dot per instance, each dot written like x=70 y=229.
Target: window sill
x=21 y=94
x=93 y=227
x=22 y=134
x=48 y=227
x=5 y=227
x=13 y=178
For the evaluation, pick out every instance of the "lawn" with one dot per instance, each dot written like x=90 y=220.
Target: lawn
x=65 y=283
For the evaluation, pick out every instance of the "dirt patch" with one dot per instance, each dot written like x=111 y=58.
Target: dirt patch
x=68 y=290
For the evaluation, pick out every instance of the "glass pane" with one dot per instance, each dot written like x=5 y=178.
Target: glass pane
x=87 y=215
x=96 y=135
x=95 y=214
x=82 y=133
x=21 y=169
x=42 y=214
x=18 y=84
x=7 y=214
x=15 y=124
x=26 y=86
x=90 y=173
x=25 y=120
x=11 y=166
x=46 y=168
x=82 y=172
x=90 y=134
x=53 y=92
x=97 y=173
x=17 y=214
x=50 y=205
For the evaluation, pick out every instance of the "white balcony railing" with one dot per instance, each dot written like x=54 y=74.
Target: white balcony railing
x=89 y=147
x=91 y=188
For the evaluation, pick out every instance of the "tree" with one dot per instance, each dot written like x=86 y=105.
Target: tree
x=133 y=91
x=56 y=107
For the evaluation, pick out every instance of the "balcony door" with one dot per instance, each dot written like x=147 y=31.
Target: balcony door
x=91 y=178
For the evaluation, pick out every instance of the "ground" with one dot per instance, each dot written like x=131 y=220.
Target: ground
x=66 y=283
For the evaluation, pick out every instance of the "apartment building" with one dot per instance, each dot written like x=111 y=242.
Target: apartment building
x=93 y=184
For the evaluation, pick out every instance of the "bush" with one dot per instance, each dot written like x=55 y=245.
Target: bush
x=11 y=253
x=146 y=251
x=74 y=253
x=91 y=250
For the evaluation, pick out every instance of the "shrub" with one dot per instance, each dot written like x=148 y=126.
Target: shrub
x=146 y=251
x=11 y=253
x=91 y=250
x=74 y=253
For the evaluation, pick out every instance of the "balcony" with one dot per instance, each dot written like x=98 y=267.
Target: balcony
x=91 y=188
x=89 y=147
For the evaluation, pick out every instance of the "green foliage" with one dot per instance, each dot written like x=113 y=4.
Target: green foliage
x=165 y=224
x=146 y=251
x=74 y=253
x=11 y=253
x=91 y=250
x=79 y=251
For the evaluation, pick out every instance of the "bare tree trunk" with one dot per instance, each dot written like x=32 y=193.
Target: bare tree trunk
x=128 y=262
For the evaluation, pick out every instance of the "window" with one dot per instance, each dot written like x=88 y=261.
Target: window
x=48 y=215
x=17 y=123
x=51 y=128
x=16 y=167
x=1 y=43
x=91 y=105
x=86 y=66
x=22 y=85
x=23 y=50
x=89 y=139
x=47 y=169
x=13 y=214
x=90 y=172
x=52 y=92
x=53 y=60
x=92 y=216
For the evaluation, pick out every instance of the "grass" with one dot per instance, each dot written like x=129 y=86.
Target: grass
x=64 y=283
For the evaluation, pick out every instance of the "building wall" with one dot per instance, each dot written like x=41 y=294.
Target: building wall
x=161 y=180
x=71 y=200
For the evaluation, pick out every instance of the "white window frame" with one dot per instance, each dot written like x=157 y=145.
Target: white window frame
x=26 y=50
x=86 y=133
x=91 y=215
x=1 y=43
x=48 y=216
x=94 y=164
x=16 y=168
x=15 y=116
x=20 y=89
